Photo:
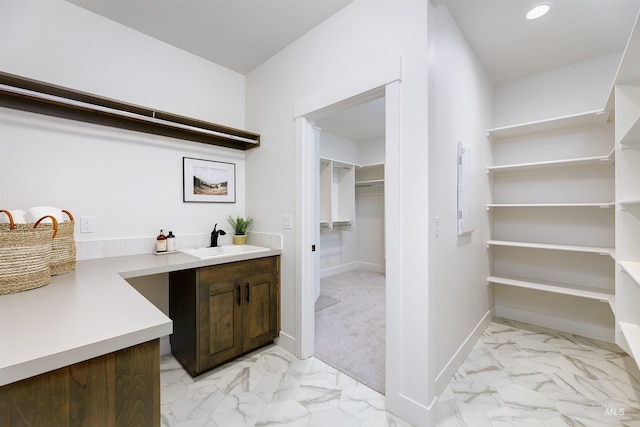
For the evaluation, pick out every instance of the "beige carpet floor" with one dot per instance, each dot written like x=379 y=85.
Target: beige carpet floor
x=350 y=325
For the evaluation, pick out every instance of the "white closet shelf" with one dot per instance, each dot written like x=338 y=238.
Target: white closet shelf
x=596 y=160
x=632 y=269
x=551 y=205
x=331 y=224
x=557 y=288
x=631 y=333
x=371 y=175
x=546 y=246
x=326 y=160
x=632 y=135
x=583 y=119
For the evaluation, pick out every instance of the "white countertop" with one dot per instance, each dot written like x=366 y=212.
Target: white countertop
x=87 y=313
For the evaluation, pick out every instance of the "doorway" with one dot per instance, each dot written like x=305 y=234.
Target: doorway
x=374 y=82
x=350 y=302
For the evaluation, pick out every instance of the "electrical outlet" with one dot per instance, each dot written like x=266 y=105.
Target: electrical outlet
x=87 y=224
x=287 y=222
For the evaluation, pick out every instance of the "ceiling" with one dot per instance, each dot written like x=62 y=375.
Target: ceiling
x=241 y=34
x=510 y=47
x=359 y=123
x=237 y=34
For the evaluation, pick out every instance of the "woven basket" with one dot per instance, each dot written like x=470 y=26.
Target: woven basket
x=63 y=248
x=25 y=254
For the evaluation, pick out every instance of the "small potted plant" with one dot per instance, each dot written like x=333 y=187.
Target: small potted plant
x=240 y=226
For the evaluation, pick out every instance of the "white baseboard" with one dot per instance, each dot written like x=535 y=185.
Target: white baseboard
x=414 y=412
x=356 y=265
x=378 y=268
x=565 y=325
x=331 y=271
x=424 y=416
x=444 y=377
x=287 y=342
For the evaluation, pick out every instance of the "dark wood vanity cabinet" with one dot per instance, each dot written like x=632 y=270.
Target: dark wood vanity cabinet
x=223 y=311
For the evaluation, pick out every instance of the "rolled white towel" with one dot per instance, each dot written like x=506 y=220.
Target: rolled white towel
x=19 y=217
x=34 y=214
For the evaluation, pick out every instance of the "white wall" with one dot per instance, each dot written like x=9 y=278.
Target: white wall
x=63 y=44
x=459 y=264
x=338 y=148
x=568 y=90
x=370 y=222
x=370 y=209
x=350 y=42
x=130 y=182
x=371 y=151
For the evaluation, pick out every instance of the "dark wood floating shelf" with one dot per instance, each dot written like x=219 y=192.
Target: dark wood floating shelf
x=38 y=97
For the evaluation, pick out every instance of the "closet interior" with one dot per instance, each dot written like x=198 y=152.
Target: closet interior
x=351 y=189
x=350 y=303
x=565 y=217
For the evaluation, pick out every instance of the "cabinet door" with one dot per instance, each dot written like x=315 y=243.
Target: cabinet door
x=260 y=310
x=220 y=310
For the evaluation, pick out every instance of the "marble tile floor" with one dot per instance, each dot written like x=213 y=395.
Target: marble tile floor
x=523 y=375
x=516 y=375
x=269 y=387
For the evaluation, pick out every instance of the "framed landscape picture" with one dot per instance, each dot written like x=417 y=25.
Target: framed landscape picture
x=208 y=181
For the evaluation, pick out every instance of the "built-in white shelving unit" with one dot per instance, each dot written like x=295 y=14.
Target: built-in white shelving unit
x=370 y=175
x=337 y=193
x=626 y=97
x=562 y=198
x=338 y=181
x=553 y=190
x=627 y=134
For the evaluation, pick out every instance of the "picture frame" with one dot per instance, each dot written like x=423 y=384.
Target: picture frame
x=208 y=181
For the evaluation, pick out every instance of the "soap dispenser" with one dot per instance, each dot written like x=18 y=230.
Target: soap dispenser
x=171 y=242
x=161 y=242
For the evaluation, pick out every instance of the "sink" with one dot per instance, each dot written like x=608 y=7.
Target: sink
x=222 y=251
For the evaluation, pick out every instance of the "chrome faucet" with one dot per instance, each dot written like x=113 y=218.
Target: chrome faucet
x=214 y=235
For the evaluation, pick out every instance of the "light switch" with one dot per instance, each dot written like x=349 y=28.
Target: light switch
x=287 y=222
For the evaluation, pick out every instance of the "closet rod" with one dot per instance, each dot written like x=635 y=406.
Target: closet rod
x=370 y=185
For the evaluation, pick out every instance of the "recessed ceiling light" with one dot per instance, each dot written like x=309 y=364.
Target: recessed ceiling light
x=538 y=11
